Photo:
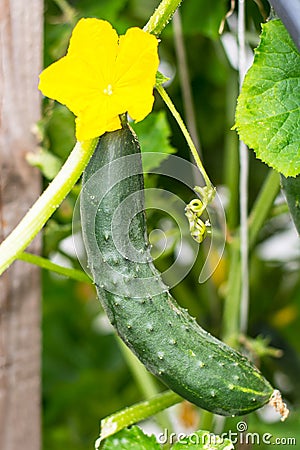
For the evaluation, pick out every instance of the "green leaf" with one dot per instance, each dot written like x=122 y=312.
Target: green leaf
x=203 y=440
x=131 y=439
x=268 y=109
x=134 y=439
x=160 y=79
x=291 y=189
x=154 y=135
x=48 y=163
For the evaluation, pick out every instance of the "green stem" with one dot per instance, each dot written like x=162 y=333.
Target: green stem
x=45 y=263
x=186 y=134
x=262 y=206
x=133 y=414
x=257 y=217
x=69 y=12
x=231 y=312
x=144 y=380
x=206 y=421
x=161 y=16
x=278 y=210
x=231 y=156
x=46 y=204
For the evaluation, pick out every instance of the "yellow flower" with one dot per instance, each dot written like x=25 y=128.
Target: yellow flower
x=103 y=76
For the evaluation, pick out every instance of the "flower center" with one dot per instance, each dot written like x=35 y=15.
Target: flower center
x=108 y=90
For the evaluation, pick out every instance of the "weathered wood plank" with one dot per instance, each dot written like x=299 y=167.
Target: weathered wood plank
x=20 y=62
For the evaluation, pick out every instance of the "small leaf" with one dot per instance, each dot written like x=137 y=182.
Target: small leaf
x=160 y=79
x=203 y=440
x=131 y=439
x=154 y=135
x=268 y=109
x=48 y=163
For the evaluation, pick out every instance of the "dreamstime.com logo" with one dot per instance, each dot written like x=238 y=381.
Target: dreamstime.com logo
x=240 y=436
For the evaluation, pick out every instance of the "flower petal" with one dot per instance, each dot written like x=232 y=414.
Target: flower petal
x=136 y=67
x=137 y=57
x=141 y=106
x=102 y=77
x=136 y=100
x=96 y=43
x=70 y=82
x=96 y=120
x=86 y=70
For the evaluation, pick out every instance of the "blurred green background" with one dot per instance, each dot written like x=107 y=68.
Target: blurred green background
x=85 y=374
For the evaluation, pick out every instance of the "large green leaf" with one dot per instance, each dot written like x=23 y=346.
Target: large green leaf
x=268 y=109
x=134 y=439
x=131 y=439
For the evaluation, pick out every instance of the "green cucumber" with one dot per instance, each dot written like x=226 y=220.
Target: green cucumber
x=165 y=338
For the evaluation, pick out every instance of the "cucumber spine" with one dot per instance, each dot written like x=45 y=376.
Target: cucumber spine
x=166 y=339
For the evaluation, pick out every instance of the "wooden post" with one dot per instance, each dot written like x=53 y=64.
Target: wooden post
x=21 y=25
